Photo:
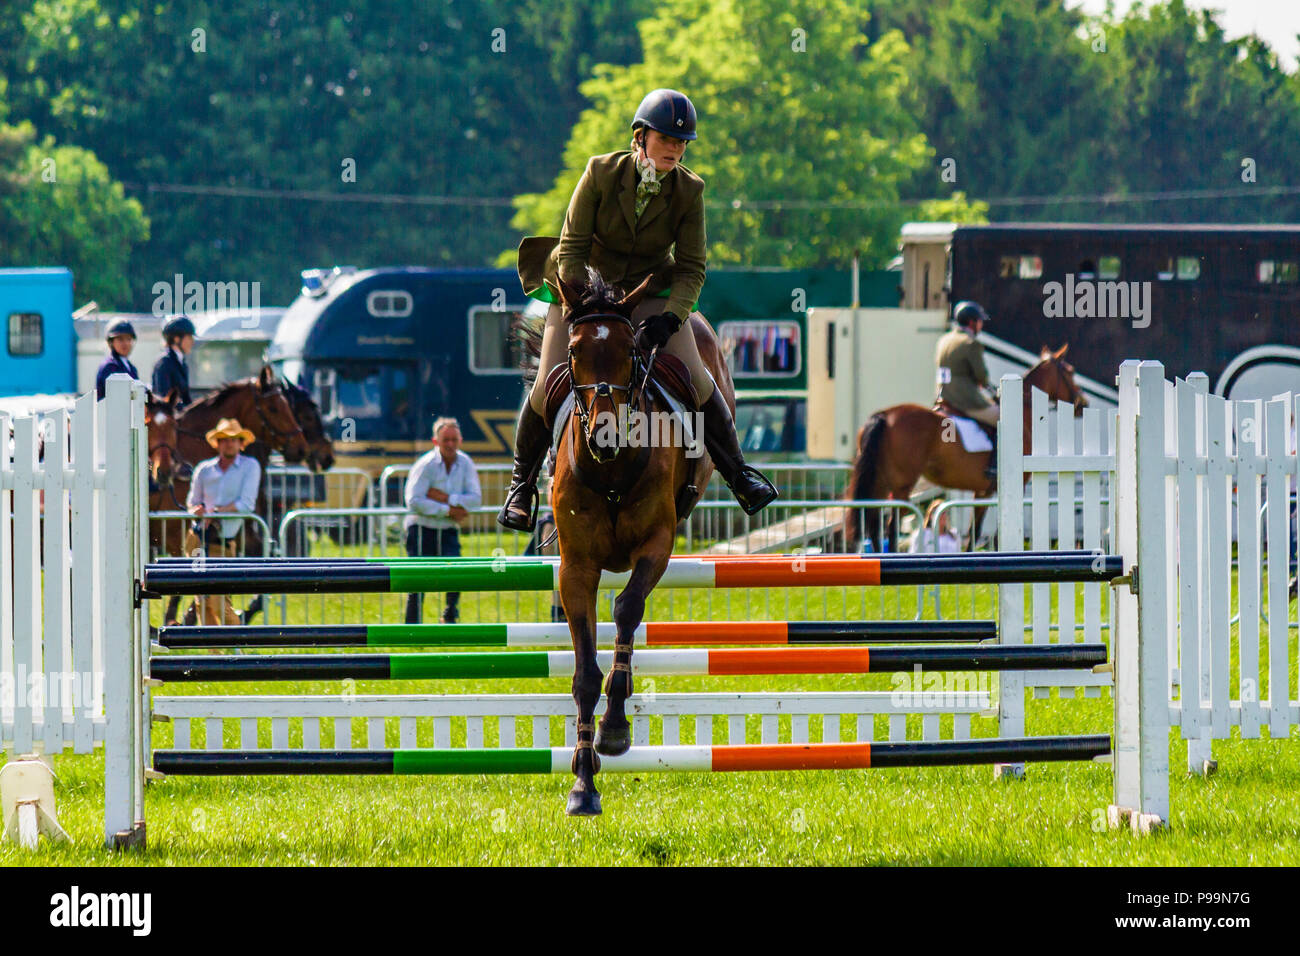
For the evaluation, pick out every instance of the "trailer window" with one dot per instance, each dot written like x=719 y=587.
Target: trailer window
x=389 y=304
x=1108 y=267
x=494 y=349
x=1020 y=267
x=1271 y=270
x=761 y=426
x=26 y=333
x=768 y=348
x=1183 y=267
x=359 y=394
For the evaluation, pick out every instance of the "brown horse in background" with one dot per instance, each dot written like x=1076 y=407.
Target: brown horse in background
x=320 y=457
x=616 y=509
x=261 y=405
x=160 y=425
x=900 y=445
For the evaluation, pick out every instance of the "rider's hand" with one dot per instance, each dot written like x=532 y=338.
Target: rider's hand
x=656 y=330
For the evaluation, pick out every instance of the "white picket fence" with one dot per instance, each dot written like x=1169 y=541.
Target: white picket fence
x=1192 y=469
x=1067 y=480
x=73 y=539
x=1169 y=490
x=65 y=498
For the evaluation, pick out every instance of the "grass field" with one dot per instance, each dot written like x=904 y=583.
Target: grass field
x=1246 y=814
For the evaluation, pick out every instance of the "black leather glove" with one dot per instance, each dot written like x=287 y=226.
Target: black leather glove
x=656 y=330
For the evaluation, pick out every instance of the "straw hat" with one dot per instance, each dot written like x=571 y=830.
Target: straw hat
x=230 y=428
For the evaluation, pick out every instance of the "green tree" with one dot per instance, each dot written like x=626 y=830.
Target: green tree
x=803 y=141
x=1190 y=106
x=65 y=209
x=469 y=99
x=1007 y=92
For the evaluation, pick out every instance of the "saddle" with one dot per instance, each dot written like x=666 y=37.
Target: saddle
x=944 y=408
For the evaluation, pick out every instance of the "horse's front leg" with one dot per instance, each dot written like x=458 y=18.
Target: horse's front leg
x=614 y=735
x=578 y=593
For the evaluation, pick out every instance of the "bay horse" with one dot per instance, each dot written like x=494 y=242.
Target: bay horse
x=262 y=406
x=616 y=508
x=901 y=444
x=319 y=457
x=160 y=425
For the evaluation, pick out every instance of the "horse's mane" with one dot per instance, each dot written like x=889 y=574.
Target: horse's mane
x=597 y=293
x=219 y=394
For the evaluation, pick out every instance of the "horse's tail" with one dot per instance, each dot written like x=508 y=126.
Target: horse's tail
x=862 y=481
x=529 y=332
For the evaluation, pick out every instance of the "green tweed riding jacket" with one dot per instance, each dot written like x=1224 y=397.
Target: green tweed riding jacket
x=601 y=229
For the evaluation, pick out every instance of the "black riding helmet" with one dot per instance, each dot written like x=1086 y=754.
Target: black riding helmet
x=120 y=327
x=964 y=313
x=177 y=326
x=667 y=112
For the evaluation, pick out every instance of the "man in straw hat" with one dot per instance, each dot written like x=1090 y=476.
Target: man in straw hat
x=226 y=484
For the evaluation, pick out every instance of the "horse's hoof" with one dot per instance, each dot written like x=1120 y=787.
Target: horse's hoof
x=613 y=741
x=583 y=803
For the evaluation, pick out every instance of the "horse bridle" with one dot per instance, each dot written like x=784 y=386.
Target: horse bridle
x=257 y=406
x=160 y=446
x=603 y=389
x=1076 y=392
x=281 y=437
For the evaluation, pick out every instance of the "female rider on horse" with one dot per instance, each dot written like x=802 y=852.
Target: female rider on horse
x=634 y=213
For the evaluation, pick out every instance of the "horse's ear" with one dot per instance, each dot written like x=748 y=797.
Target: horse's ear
x=1060 y=352
x=633 y=298
x=1044 y=352
x=570 y=294
x=171 y=398
x=266 y=378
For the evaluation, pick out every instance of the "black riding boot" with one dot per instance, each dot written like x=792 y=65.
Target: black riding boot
x=991 y=471
x=532 y=440
x=752 y=490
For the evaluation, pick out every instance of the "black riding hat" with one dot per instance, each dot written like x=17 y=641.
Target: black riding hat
x=667 y=112
x=964 y=313
x=120 y=327
x=177 y=325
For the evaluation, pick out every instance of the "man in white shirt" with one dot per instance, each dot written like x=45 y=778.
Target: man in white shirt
x=226 y=484
x=442 y=491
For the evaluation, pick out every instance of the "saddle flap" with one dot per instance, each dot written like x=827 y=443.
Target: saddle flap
x=672 y=373
x=558 y=386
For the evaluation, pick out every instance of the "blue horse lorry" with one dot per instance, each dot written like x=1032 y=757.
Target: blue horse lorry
x=384 y=351
x=40 y=354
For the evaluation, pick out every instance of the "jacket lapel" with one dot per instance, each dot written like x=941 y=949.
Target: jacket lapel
x=658 y=202
x=627 y=193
